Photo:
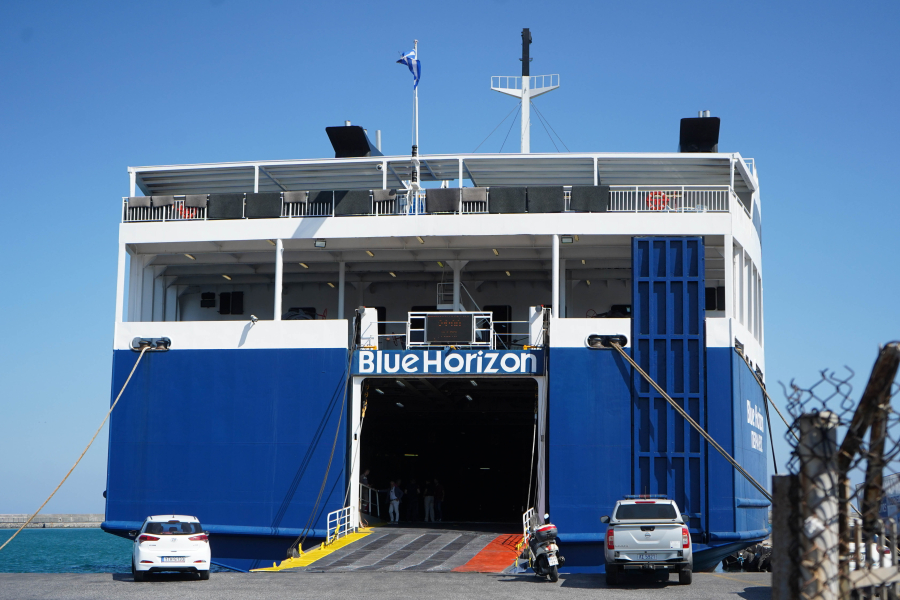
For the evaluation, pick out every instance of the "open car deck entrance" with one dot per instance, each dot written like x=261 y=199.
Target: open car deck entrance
x=480 y=437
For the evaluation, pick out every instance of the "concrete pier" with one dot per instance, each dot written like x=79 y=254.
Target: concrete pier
x=52 y=521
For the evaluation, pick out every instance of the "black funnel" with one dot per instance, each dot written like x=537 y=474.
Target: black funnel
x=699 y=134
x=351 y=141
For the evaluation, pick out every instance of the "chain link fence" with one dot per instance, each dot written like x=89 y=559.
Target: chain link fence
x=835 y=515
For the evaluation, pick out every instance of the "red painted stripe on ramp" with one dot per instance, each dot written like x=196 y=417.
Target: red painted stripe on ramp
x=497 y=556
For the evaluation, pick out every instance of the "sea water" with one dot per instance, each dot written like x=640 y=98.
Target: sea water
x=66 y=551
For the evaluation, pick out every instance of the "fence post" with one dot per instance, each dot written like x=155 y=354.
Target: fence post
x=785 y=537
x=818 y=480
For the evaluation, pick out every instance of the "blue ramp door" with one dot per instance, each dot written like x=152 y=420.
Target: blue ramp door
x=667 y=339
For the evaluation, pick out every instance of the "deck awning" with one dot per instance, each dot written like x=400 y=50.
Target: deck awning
x=482 y=169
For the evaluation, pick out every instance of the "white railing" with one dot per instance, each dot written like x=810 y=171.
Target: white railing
x=338 y=524
x=535 y=82
x=482 y=334
x=669 y=198
x=529 y=521
x=307 y=209
x=622 y=198
x=368 y=500
x=171 y=212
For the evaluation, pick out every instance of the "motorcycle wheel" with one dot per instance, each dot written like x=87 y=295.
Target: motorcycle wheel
x=554 y=574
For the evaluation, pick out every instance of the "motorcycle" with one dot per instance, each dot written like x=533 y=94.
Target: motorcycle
x=542 y=550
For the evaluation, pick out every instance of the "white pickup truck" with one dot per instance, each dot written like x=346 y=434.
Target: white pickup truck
x=647 y=534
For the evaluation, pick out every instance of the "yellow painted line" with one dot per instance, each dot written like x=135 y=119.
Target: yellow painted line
x=307 y=558
x=735 y=578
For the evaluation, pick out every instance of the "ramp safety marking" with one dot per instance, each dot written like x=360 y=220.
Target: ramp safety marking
x=496 y=557
x=308 y=558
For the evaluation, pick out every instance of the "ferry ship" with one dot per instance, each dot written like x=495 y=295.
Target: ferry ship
x=429 y=316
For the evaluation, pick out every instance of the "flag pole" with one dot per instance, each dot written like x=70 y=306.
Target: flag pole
x=415 y=148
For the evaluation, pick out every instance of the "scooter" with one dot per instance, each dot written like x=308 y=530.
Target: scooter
x=542 y=550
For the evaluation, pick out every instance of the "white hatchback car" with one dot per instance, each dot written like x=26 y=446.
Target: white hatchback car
x=170 y=543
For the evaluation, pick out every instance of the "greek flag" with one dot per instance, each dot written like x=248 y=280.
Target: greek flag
x=415 y=66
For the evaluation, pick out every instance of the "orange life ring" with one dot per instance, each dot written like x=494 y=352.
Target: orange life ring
x=657 y=200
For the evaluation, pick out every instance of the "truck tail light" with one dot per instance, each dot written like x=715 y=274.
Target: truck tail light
x=148 y=538
x=610 y=543
x=200 y=538
x=685 y=538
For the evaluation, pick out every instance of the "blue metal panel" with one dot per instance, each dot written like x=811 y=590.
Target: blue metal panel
x=589 y=442
x=720 y=418
x=238 y=438
x=751 y=447
x=667 y=337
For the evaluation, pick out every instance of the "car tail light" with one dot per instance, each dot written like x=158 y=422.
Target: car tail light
x=610 y=544
x=200 y=538
x=685 y=538
x=148 y=538
x=645 y=501
x=149 y=562
x=199 y=561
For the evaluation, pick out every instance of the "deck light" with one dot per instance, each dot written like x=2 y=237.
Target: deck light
x=440 y=264
x=304 y=265
x=507 y=274
x=566 y=239
x=331 y=285
x=495 y=252
x=379 y=391
x=400 y=404
x=410 y=455
x=369 y=252
x=271 y=242
x=421 y=241
x=582 y=262
x=392 y=273
x=227 y=277
x=401 y=384
x=190 y=256
x=576 y=238
x=484 y=468
x=468 y=397
x=587 y=281
x=472 y=381
x=320 y=243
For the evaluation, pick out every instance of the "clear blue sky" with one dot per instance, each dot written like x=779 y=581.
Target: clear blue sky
x=86 y=89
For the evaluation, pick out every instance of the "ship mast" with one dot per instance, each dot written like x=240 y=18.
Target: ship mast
x=525 y=87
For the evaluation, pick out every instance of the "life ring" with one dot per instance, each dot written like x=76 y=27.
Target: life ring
x=657 y=200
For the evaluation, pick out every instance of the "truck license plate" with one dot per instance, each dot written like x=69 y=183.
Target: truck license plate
x=173 y=559
x=647 y=556
x=552 y=561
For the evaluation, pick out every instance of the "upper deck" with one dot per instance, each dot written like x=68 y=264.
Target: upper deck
x=663 y=183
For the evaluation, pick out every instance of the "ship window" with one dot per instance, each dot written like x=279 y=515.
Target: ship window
x=207 y=300
x=231 y=303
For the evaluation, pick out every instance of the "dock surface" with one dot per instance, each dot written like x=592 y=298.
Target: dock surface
x=374 y=585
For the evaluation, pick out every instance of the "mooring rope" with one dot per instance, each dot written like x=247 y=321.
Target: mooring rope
x=692 y=422
x=31 y=518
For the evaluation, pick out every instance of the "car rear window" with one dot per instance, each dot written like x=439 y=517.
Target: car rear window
x=173 y=527
x=645 y=511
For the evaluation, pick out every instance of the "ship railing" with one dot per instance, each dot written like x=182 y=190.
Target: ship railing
x=640 y=198
x=480 y=336
x=307 y=209
x=338 y=524
x=368 y=500
x=511 y=335
x=172 y=212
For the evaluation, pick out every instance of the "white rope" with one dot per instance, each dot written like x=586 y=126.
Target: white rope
x=31 y=518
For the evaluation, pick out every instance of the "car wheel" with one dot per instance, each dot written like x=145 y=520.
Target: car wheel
x=554 y=573
x=204 y=575
x=612 y=575
x=138 y=575
x=685 y=576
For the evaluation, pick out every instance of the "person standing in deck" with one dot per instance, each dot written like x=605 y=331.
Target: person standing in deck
x=438 y=500
x=394 y=496
x=429 y=501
